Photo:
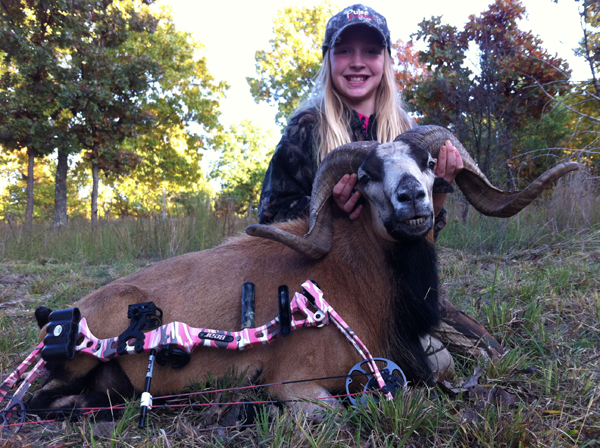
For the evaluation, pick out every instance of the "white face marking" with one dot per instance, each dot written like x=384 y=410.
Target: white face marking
x=397 y=165
x=401 y=176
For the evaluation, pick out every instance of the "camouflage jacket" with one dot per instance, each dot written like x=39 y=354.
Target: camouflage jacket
x=287 y=186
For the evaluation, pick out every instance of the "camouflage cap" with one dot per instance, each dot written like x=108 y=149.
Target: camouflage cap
x=356 y=15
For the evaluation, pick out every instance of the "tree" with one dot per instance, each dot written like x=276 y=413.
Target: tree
x=242 y=165
x=66 y=87
x=31 y=34
x=184 y=94
x=582 y=103
x=120 y=82
x=286 y=72
x=589 y=46
x=106 y=84
x=489 y=105
x=409 y=69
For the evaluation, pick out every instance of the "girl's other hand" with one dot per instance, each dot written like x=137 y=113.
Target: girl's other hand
x=449 y=162
x=345 y=198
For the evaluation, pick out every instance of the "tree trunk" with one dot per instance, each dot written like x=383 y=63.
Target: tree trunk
x=511 y=184
x=95 y=182
x=464 y=213
x=164 y=203
x=590 y=53
x=60 y=191
x=30 y=179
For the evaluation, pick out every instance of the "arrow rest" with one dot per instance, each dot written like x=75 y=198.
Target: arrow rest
x=144 y=316
x=171 y=353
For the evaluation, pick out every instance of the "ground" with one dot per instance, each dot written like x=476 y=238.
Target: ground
x=542 y=303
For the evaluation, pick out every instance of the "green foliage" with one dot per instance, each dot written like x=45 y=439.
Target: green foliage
x=13 y=189
x=538 y=145
x=185 y=93
x=30 y=75
x=286 y=71
x=245 y=156
x=117 y=81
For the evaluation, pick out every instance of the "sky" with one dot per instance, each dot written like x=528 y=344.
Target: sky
x=233 y=30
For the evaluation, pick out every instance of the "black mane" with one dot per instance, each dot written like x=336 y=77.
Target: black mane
x=414 y=276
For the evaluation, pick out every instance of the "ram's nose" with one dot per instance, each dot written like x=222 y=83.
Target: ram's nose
x=410 y=193
x=410 y=196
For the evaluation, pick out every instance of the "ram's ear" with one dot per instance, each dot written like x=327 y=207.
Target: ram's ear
x=441 y=185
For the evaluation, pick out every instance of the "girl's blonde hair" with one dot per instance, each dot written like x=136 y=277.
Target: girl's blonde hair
x=334 y=115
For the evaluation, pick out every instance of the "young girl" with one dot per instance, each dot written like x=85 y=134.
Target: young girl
x=355 y=98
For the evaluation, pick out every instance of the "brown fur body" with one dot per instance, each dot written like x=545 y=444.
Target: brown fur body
x=203 y=289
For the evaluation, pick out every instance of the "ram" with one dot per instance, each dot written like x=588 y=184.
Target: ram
x=378 y=272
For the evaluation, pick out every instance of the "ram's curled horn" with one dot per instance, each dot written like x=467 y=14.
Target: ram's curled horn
x=317 y=242
x=480 y=193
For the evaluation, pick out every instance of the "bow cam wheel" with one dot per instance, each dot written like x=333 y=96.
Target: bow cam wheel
x=13 y=415
x=362 y=380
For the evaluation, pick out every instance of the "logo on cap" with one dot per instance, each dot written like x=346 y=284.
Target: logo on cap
x=364 y=14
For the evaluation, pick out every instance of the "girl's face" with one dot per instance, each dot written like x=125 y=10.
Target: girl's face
x=357 y=67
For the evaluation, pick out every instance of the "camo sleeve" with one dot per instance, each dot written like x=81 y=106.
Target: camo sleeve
x=287 y=186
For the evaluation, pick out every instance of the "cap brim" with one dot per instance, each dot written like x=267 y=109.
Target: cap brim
x=342 y=29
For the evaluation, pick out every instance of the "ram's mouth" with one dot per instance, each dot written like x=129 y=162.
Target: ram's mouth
x=416 y=221
x=411 y=228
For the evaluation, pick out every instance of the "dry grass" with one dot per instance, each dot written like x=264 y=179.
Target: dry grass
x=533 y=281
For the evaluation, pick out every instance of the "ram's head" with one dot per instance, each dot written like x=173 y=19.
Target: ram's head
x=397 y=180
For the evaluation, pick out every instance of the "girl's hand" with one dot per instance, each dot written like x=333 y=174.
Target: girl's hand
x=449 y=162
x=345 y=199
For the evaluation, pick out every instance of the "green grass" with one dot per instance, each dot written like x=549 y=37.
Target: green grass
x=532 y=281
x=118 y=240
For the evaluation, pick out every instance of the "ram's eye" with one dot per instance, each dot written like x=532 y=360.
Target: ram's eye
x=364 y=179
x=431 y=164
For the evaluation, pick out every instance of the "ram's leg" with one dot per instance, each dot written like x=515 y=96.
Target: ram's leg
x=464 y=335
x=308 y=398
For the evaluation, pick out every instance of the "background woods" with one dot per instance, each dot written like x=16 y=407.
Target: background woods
x=111 y=83
x=108 y=103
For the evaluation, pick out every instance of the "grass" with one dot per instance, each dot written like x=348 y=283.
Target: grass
x=120 y=240
x=532 y=281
